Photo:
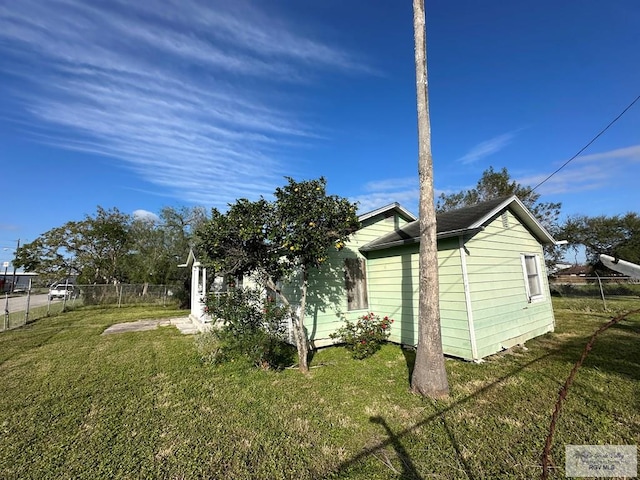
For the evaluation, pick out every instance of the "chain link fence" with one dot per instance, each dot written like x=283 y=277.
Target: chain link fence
x=583 y=286
x=594 y=293
x=37 y=303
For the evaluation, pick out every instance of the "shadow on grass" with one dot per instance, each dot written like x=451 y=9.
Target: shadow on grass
x=456 y=446
x=410 y=359
x=408 y=468
x=616 y=351
x=394 y=439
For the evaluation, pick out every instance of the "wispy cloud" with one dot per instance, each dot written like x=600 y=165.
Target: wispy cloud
x=589 y=172
x=392 y=184
x=371 y=201
x=188 y=94
x=486 y=148
x=627 y=154
x=405 y=191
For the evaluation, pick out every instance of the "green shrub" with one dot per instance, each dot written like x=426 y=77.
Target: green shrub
x=364 y=337
x=250 y=326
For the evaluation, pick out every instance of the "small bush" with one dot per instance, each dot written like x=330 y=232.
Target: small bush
x=364 y=337
x=251 y=327
x=209 y=347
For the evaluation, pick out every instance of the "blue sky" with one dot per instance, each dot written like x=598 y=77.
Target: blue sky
x=140 y=105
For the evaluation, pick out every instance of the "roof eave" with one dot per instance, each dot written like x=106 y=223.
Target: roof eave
x=524 y=215
x=384 y=246
x=392 y=206
x=460 y=232
x=409 y=241
x=191 y=260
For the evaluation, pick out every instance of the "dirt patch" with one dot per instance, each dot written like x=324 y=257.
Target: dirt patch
x=183 y=324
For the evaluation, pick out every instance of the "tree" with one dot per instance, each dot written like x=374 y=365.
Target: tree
x=494 y=185
x=179 y=226
x=93 y=249
x=111 y=246
x=158 y=243
x=101 y=244
x=280 y=241
x=48 y=255
x=429 y=376
x=617 y=236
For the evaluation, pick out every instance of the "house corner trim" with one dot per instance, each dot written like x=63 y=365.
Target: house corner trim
x=467 y=298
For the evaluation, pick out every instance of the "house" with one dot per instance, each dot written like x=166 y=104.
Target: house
x=493 y=284
x=16 y=281
x=573 y=274
x=204 y=283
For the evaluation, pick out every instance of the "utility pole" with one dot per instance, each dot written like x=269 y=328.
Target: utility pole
x=4 y=278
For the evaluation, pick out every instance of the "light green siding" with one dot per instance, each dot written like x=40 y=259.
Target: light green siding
x=502 y=313
x=326 y=298
x=393 y=288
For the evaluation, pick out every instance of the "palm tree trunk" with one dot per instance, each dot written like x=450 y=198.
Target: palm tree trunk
x=429 y=376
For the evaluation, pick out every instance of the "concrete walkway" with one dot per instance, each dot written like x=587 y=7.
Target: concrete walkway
x=183 y=324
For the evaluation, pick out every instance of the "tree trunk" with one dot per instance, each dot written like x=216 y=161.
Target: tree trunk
x=429 y=375
x=299 y=333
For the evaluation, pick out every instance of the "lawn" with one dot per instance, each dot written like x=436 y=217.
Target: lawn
x=75 y=404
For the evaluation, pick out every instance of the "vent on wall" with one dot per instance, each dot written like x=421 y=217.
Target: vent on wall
x=505 y=220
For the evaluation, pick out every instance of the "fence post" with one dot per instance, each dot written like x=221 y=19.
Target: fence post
x=64 y=297
x=604 y=302
x=6 y=311
x=120 y=297
x=26 y=312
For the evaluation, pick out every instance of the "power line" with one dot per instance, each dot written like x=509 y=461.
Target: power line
x=588 y=144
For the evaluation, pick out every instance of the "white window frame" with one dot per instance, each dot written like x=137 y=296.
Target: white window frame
x=536 y=297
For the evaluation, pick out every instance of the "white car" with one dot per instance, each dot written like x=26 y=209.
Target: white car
x=61 y=291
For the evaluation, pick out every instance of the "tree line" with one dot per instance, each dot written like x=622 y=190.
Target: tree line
x=112 y=246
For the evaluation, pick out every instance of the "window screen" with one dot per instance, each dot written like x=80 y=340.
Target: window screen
x=355 y=277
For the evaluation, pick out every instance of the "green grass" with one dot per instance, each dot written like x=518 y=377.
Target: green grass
x=19 y=319
x=74 y=404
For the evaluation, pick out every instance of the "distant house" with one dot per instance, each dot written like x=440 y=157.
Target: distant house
x=16 y=282
x=493 y=284
x=573 y=271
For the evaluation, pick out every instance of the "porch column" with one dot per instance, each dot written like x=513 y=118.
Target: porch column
x=195 y=299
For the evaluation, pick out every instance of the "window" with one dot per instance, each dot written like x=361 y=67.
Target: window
x=355 y=277
x=533 y=279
